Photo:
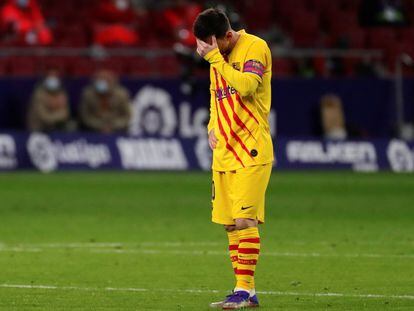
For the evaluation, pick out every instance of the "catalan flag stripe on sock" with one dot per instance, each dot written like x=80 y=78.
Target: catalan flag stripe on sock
x=248 y=255
x=233 y=248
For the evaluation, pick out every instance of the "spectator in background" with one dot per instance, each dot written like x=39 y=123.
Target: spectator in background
x=105 y=105
x=22 y=22
x=382 y=12
x=332 y=116
x=179 y=19
x=115 y=23
x=49 y=109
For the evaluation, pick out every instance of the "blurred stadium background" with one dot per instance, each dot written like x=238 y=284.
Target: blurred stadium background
x=342 y=70
x=92 y=89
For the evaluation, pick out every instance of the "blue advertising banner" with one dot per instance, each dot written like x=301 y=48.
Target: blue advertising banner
x=368 y=104
x=54 y=152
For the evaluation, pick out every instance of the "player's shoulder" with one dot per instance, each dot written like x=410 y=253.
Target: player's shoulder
x=255 y=41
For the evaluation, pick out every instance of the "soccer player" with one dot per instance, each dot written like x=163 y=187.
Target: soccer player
x=239 y=135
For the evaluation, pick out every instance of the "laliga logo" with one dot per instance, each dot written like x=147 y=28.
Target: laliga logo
x=41 y=152
x=400 y=156
x=153 y=113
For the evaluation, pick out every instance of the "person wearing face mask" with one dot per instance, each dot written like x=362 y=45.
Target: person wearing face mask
x=49 y=109
x=105 y=105
x=115 y=23
x=23 y=23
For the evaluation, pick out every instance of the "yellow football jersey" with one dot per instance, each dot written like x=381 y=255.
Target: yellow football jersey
x=240 y=104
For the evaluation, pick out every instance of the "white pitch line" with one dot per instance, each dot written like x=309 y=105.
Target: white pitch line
x=357 y=255
x=117 y=244
x=157 y=252
x=75 y=245
x=204 y=291
x=116 y=250
x=272 y=254
x=126 y=248
x=20 y=249
x=278 y=293
x=191 y=243
x=352 y=243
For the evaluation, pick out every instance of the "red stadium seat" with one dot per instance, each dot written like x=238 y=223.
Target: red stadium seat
x=139 y=66
x=260 y=14
x=381 y=38
x=357 y=38
x=282 y=67
x=115 y=64
x=168 y=65
x=340 y=21
x=350 y=65
x=4 y=66
x=394 y=51
x=81 y=66
x=23 y=66
x=53 y=62
x=286 y=11
x=73 y=36
x=322 y=6
x=354 y=39
x=305 y=29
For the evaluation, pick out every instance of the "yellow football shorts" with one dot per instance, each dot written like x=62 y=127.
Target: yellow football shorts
x=240 y=194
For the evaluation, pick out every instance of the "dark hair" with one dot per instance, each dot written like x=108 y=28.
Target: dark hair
x=211 y=22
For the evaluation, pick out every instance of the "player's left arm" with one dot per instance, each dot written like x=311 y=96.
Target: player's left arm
x=245 y=82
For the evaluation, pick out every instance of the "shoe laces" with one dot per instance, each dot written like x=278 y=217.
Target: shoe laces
x=236 y=297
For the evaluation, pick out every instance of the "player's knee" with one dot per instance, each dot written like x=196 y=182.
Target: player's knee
x=229 y=228
x=244 y=223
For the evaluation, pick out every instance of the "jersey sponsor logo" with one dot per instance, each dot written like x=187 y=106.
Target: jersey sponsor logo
x=254 y=66
x=222 y=93
x=224 y=113
x=236 y=118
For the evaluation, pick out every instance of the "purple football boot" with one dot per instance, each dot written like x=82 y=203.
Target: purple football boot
x=253 y=302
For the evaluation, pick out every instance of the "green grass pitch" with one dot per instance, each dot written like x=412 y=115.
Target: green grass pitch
x=144 y=241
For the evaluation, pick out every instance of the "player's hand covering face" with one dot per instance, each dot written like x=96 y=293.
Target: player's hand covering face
x=204 y=48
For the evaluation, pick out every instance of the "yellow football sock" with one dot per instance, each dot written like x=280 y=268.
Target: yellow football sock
x=233 y=248
x=248 y=254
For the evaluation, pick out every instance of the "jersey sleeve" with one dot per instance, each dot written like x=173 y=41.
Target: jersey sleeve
x=257 y=60
x=213 y=111
x=245 y=82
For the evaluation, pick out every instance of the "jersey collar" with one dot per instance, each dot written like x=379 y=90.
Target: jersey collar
x=241 y=32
